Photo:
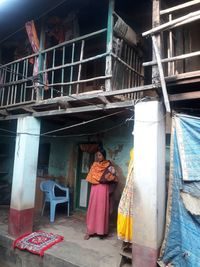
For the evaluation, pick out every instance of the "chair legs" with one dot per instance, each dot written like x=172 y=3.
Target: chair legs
x=68 y=208
x=52 y=211
x=43 y=208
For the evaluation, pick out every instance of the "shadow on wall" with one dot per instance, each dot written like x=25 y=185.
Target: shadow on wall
x=118 y=191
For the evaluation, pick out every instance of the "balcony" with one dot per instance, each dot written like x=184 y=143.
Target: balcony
x=94 y=63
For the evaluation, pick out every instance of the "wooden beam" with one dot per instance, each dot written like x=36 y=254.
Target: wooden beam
x=87 y=97
x=104 y=99
x=179 y=7
x=28 y=109
x=155 y=23
x=185 y=96
x=174 y=23
x=182 y=76
x=4 y=112
x=162 y=78
x=170 y=59
x=18 y=104
x=63 y=104
x=90 y=108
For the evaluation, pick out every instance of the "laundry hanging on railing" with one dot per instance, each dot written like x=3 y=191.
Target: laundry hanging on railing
x=35 y=44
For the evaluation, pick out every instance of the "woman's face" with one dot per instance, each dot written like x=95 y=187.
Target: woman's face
x=99 y=157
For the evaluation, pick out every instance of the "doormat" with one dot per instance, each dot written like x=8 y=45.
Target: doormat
x=37 y=242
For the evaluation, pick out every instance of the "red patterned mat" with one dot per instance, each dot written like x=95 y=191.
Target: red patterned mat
x=37 y=242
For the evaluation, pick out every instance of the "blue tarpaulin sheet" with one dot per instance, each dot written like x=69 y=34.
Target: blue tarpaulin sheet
x=181 y=246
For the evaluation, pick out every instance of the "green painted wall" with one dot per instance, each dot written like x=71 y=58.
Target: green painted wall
x=59 y=153
x=117 y=143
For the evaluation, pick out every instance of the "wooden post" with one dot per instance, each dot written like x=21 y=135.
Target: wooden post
x=80 y=66
x=161 y=74
x=109 y=44
x=155 y=23
x=170 y=50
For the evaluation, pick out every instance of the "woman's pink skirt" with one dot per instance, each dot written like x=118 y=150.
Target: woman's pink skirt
x=97 y=219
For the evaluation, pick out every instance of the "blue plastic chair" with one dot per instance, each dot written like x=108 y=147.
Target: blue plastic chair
x=48 y=187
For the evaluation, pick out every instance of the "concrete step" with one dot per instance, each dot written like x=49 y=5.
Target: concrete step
x=64 y=254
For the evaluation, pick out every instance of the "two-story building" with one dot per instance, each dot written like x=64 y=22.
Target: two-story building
x=77 y=74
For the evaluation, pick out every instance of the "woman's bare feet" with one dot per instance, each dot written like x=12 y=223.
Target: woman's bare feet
x=86 y=237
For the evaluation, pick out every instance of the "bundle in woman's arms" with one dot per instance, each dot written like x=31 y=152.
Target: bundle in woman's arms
x=101 y=173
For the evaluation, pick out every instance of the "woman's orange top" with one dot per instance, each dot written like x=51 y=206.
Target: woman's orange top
x=101 y=170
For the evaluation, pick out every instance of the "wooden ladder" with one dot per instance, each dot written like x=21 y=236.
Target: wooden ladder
x=125 y=257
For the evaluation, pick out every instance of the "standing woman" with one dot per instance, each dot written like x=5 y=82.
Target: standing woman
x=101 y=175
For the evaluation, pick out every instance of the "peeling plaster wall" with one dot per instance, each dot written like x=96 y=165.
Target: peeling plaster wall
x=118 y=145
x=59 y=157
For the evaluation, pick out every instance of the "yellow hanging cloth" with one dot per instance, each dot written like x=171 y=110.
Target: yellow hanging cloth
x=125 y=209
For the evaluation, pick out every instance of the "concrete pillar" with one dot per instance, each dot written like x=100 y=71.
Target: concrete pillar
x=24 y=176
x=149 y=182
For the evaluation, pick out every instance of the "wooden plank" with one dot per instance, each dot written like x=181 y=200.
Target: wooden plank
x=126 y=254
x=185 y=96
x=170 y=50
x=171 y=59
x=28 y=109
x=173 y=23
x=186 y=21
x=155 y=23
x=179 y=7
x=90 y=108
x=187 y=75
x=184 y=81
x=80 y=81
x=162 y=78
x=96 y=95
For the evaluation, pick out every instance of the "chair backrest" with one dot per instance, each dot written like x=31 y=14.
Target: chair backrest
x=48 y=188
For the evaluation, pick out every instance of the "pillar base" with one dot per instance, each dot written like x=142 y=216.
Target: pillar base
x=20 y=222
x=144 y=256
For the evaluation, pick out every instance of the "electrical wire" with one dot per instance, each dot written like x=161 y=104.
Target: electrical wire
x=47 y=134
x=72 y=135
x=82 y=123
x=86 y=134
x=65 y=128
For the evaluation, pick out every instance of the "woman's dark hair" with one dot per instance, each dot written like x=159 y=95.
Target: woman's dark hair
x=102 y=151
